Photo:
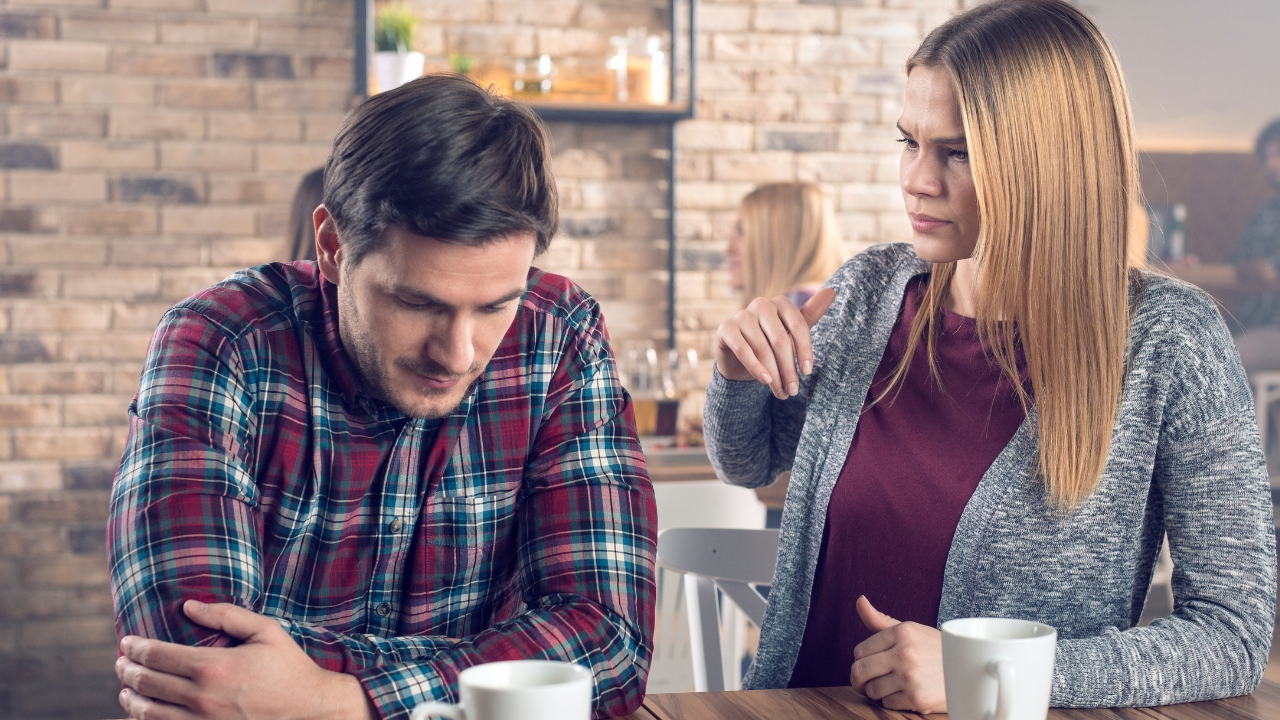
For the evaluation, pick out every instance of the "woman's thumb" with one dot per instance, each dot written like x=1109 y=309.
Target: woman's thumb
x=817 y=305
x=873 y=618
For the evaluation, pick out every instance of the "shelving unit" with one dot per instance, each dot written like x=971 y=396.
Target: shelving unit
x=680 y=108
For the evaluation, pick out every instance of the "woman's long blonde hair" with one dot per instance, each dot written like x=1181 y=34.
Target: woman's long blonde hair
x=1050 y=140
x=789 y=238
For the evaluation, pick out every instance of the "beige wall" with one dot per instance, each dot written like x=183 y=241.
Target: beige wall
x=150 y=147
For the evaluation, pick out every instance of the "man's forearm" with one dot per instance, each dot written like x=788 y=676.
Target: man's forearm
x=399 y=672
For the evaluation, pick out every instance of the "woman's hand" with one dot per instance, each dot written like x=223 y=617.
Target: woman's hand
x=901 y=665
x=767 y=340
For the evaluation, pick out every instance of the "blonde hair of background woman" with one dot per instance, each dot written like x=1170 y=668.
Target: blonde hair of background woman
x=1050 y=140
x=789 y=238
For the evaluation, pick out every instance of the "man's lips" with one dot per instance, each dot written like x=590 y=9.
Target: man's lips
x=926 y=223
x=438 y=383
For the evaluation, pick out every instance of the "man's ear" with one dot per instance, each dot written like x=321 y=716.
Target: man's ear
x=328 y=246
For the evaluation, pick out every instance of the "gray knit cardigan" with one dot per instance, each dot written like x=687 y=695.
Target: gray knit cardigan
x=1185 y=460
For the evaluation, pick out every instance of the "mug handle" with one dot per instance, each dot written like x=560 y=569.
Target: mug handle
x=426 y=710
x=1002 y=669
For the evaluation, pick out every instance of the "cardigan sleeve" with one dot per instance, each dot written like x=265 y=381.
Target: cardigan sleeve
x=751 y=436
x=1211 y=477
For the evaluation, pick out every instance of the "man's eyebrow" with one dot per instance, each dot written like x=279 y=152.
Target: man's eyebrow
x=957 y=140
x=427 y=297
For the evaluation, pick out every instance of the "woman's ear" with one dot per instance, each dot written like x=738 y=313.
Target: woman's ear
x=328 y=245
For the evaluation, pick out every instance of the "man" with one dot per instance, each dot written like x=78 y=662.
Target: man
x=1258 y=256
x=347 y=481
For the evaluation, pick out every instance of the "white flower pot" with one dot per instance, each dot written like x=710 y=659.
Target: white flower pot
x=393 y=69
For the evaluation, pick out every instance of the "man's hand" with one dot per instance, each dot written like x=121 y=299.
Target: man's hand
x=768 y=339
x=268 y=676
x=901 y=665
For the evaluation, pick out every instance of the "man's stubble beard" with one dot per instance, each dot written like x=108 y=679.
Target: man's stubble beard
x=364 y=353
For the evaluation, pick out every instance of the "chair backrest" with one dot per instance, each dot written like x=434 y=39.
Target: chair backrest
x=709 y=503
x=731 y=560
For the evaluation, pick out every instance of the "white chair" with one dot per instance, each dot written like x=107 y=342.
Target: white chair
x=1266 y=390
x=732 y=561
x=696 y=504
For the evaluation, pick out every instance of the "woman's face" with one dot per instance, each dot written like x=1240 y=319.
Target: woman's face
x=734 y=255
x=937 y=184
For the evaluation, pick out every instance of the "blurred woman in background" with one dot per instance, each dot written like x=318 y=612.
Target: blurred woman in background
x=302 y=230
x=785 y=242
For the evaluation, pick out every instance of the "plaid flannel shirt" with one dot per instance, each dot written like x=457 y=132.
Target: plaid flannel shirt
x=397 y=550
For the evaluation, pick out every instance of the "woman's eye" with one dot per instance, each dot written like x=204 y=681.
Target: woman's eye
x=960 y=155
x=911 y=144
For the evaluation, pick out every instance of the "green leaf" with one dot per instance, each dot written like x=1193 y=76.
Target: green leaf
x=394 y=28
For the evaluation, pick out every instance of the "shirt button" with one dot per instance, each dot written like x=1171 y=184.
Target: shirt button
x=395 y=525
x=384 y=610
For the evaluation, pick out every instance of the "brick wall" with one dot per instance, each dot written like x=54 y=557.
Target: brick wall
x=150 y=147
x=612 y=178
x=788 y=91
x=147 y=149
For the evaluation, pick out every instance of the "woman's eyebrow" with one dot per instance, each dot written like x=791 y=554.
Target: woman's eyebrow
x=957 y=140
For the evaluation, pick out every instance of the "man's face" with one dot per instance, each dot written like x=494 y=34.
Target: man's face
x=1271 y=162
x=421 y=318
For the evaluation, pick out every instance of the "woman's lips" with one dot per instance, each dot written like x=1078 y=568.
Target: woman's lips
x=925 y=223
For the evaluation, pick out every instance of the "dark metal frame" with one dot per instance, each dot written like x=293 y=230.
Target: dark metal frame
x=623 y=114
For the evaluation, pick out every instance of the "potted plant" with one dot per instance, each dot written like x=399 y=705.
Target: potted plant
x=394 y=62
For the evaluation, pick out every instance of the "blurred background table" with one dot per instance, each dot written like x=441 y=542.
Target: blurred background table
x=1221 y=280
x=668 y=464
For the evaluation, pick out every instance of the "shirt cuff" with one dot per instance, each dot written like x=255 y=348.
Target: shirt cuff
x=398 y=688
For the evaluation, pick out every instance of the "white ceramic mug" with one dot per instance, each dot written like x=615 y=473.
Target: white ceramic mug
x=998 y=669
x=518 y=690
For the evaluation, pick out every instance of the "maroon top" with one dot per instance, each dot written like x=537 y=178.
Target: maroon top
x=914 y=461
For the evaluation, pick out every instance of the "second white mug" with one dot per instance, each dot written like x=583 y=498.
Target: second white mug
x=517 y=690
x=998 y=669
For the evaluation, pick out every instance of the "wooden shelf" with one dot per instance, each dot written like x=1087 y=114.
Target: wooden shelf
x=608 y=112
x=683 y=63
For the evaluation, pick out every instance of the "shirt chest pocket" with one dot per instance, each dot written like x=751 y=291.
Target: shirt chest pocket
x=469 y=553
x=471 y=521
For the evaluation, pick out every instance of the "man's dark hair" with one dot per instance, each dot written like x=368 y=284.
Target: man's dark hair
x=442 y=158
x=1269 y=134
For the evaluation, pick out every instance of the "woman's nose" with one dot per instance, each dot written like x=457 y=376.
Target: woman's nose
x=920 y=176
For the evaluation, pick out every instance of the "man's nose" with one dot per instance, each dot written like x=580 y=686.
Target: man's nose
x=452 y=346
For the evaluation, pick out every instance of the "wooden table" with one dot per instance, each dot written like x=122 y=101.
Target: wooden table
x=844 y=703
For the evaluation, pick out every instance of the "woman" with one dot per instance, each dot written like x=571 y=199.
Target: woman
x=1257 y=260
x=785 y=242
x=1004 y=418
x=302 y=230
